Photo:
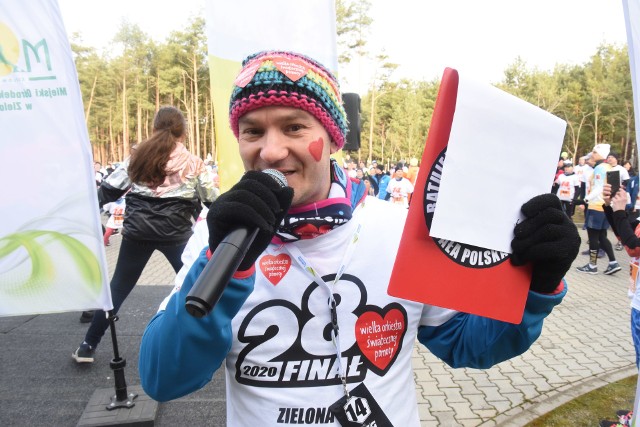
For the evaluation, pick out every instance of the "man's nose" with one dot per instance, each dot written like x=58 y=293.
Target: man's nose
x=274 y=147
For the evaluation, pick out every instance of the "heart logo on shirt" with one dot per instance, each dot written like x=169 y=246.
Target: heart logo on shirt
x=379 y=336
x=275 y=267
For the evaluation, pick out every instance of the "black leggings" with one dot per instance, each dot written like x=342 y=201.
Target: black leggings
x=132 y=259
x=598 y=239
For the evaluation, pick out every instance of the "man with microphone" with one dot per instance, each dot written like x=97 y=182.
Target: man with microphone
x=304 y=325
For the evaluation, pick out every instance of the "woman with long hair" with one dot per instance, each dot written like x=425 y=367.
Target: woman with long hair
x=167 y=186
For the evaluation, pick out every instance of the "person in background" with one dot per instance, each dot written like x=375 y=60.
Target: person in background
x=382 y=180
x=373 y=181
x=305 y=326
x=612 y=159
x=581 y=168
x=109 y=170
x=559 y=169
x=97 y=168
x=400 y=189
x=614 y=162
x=628 y=228
x=567 y=188
x=116 y=218
x=166 y=185
x=351 y=168
x=596 y=221
x=632 y=188
x=412 y=174
x=587 y=178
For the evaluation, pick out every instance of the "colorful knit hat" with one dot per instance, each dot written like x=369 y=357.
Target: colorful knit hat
x=278 y=78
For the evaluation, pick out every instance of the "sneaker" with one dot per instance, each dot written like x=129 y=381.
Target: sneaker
x=84 y=353
x=585 y=252
x=613 y=268
x=607 y=423
x=619 y=246
x=86 y=316
x=624 y=417
x=588 y=269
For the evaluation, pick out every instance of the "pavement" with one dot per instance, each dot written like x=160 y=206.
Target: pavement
x=585 y=344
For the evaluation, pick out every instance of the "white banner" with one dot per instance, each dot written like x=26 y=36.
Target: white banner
x=236 y=29
x=51 y=250
x=632 y=21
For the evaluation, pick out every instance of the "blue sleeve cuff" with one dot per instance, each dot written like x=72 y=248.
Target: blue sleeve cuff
x=180 y=353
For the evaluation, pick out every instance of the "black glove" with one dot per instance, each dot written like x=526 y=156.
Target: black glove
x=548 y=239
x=256 y=201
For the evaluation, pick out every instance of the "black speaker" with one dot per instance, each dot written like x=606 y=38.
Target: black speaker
x=352 y=108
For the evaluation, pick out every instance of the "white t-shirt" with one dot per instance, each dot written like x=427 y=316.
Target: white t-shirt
x=282 y=366
x=116 y=209
x=399 y=191
x=587 y=175
x=566 y=186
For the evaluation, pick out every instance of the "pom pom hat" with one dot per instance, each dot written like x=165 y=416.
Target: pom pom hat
x=287 y=79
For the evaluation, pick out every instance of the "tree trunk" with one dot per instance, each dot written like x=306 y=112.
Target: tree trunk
x=157 y=90
x=205 y=131
x=373 y=106
x=103 y=155
x=114 y=147
x=383 y=141
x=186 y=107
x=93 y=88
x=125 y=124
x=195 y=103
x=596 y=114
x=139 y=119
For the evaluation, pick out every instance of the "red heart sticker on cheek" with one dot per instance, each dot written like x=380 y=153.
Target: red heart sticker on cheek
x=275 y=268
x=379 y=338
x=315 y=148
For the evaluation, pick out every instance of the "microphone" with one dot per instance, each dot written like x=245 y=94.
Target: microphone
x=224 y=262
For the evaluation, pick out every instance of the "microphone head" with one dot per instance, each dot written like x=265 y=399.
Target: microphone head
x=277 y=176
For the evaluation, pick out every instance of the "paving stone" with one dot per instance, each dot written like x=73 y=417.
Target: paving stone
x=463 y=411
x=454 y=395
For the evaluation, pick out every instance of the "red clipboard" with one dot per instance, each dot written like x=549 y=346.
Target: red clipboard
x=444 y=273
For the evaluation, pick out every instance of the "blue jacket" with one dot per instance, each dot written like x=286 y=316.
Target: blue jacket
x=382 y=181
x=179 y=353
